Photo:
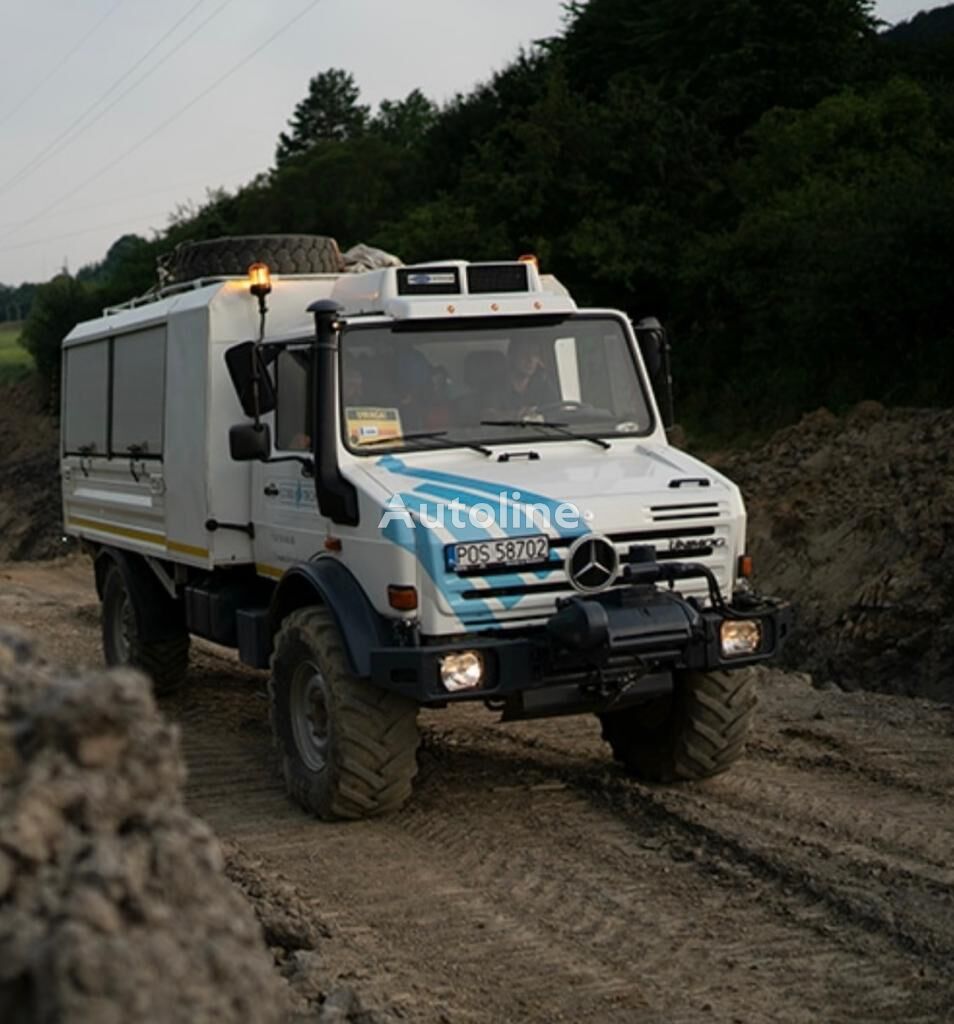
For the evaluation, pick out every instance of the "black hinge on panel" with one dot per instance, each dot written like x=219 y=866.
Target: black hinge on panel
x=689 y=481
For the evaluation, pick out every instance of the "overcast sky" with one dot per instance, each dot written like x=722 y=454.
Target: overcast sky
x=112 y=112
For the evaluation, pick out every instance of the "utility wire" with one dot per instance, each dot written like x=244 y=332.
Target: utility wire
x=126 y=222
x=77 y=128
x=59 y=65
x=117 y=200
x=173 y=117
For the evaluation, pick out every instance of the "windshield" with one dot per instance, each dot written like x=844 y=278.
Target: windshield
x=504 y=382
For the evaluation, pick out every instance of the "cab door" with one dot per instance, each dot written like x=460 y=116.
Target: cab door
x=288 y=525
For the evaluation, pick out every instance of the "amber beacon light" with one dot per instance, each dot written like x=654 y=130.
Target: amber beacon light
x=259 y=280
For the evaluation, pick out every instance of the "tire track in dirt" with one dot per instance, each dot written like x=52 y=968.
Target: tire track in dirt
x=404 y=910
x=556 y=885
x=531 y=880
x=880 y=859
x=784 y=935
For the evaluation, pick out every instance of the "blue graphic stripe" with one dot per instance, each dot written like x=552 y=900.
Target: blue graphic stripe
x=406 y=537
x=469 y=486
x=432 y=558
x=428 y=547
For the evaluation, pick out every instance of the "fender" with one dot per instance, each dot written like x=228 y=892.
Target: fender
x=157 y=615
x=326 y=581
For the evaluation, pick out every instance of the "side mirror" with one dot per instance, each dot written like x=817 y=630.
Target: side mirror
x=250 y=443
x=654 y=348
x=246 y=367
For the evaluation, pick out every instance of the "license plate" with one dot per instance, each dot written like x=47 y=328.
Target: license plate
x=507 y=551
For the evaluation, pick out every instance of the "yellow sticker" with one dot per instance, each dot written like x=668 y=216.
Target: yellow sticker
x=371 y=423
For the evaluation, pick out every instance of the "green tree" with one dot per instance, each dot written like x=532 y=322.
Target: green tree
x=128 y=269
x=59 y=305
x=833 y=286
x=329 y=113
x=406 y=121
x=734 y=58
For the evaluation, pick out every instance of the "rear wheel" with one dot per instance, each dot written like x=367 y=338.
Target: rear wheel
x=165 y=659
x=697 y=732
x=348 y=749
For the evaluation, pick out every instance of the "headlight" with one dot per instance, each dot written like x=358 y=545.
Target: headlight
x=740 y=637
x=462 y=671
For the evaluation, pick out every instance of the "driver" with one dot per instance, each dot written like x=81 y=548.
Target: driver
x=531 y=383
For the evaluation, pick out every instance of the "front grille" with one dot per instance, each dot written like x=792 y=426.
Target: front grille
x=550 y=581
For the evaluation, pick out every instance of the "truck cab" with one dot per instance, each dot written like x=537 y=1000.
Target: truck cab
x=427 y=485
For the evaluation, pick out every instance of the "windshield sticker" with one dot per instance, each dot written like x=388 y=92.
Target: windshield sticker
x=368 y=423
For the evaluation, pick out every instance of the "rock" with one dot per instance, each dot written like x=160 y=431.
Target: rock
x=7 y=873
x=99 y=751
x=340 y=1007
x=868 y=411
x=113 y=902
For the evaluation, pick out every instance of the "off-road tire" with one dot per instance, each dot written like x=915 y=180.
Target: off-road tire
x=165 y=659
x=697 y=732
x=224 y=257
x=370 y=736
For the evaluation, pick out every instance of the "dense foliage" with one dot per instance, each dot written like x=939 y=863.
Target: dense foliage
x=772 y=177
x=15 y=303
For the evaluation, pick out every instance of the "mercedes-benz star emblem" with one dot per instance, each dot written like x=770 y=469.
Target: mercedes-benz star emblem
x=592 y=563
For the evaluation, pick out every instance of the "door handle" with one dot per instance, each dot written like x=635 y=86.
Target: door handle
x=271 y=491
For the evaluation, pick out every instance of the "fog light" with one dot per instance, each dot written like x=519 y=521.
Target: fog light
x=740 y=637
x=462 y=671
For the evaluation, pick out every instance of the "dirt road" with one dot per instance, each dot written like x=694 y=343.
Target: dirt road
x=530 y=880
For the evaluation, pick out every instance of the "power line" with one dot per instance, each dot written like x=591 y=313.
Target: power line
x=76 y=128
x=173 y=117
x=115 y=200
x=82 y=231
x=58 y=66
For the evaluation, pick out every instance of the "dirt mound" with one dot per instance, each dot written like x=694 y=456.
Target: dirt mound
x=30 y=509
x=114 y=902
x=852 y=518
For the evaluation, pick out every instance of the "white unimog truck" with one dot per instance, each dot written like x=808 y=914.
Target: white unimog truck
x=406 y=488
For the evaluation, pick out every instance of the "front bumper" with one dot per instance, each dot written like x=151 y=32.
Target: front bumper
x=601 y=653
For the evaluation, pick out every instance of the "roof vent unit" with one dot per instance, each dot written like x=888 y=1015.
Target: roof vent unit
x=429 y=281
x=497 y=278
x=451 y=289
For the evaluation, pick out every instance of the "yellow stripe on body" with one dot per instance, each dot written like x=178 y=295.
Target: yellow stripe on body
x=118 y=531
x=187 y=549
x=269 y=570
x=145 y=536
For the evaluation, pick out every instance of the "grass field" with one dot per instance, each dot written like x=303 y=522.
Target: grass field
x=15 y=361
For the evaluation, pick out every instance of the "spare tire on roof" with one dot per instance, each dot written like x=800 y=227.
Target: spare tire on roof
x=226 y=257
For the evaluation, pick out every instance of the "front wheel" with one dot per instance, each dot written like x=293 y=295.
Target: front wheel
x=348 y=749
x=164 y=658
x=696 y=732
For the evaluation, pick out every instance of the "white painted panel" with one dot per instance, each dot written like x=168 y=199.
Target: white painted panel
x=87 y=395
x=139 y=377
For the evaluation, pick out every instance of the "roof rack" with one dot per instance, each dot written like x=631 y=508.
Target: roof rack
x=165 y=293
x=169 y=290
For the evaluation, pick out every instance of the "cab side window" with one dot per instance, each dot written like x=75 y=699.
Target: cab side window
x=293 y=415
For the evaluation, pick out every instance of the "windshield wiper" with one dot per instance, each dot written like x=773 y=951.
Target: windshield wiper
x=560 y=428
x=430 y=435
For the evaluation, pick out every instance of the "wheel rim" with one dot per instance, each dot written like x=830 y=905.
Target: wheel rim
x=123 y=628
x=309 y=713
